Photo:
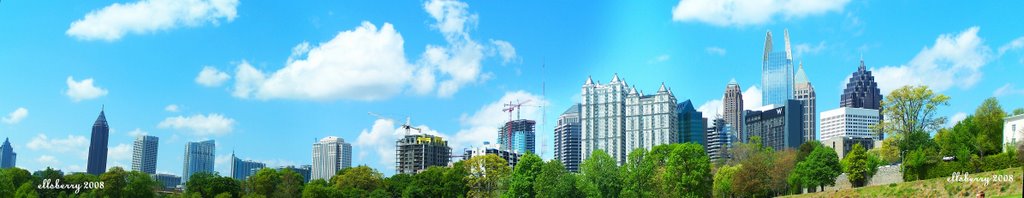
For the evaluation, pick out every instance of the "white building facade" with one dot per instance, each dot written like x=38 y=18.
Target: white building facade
x=330 y=155
x=847 y=122
x=617 y=118
x=1013 y=130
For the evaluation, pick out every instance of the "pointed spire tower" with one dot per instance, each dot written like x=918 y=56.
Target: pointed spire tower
x=804 y=91
x=97 y=161
x=7 y=156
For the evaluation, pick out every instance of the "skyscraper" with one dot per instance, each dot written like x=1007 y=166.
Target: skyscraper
x=776 y=72
x=567 y=138
x=97 y=163
x=241 y=169
x=779 y=127
x=805 y=92
x=617 y=119
x=732 y=103
x=418 y=152
x=523 y=136
x=719 y=140
x=861 y=90
x=144 y=153
x=330 y=155
x=8 y=159
x=199 y=157
x=691 y=124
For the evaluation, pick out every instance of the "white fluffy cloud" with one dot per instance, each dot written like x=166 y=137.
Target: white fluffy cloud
x=211 y=77
x=711 y=109
x=806 y=48
x=114 y=21
x=83 y=90
x=751 y=12
x=368 y=63
x=1012 y=45
x=956 y=118
x=72 y=144
x=137 y=132
x=48 y=160
x=200 y=125
x=15 y=116
x=715 y=50
x=752 y=98
x=505 y=50
x=1006 y=90
x=120 y=152
x=954 y=60
x=171 y=108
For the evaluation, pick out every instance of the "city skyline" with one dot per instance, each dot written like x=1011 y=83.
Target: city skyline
x=194 y=79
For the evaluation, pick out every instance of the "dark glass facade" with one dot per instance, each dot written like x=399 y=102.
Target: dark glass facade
x=98 y=146
x=691 y=124
x=861 y=90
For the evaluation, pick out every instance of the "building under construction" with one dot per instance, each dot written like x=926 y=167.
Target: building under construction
x=518 y=136
x=415 y=153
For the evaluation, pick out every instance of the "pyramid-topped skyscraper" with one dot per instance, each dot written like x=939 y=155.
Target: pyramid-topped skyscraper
x=98 y=145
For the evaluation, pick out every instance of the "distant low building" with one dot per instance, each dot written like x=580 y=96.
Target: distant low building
x=843 y=145
x=720 y=139
x=1013 y=130
x=167 y=181
x=493 y=149
x=303 y=170
x=242 y=169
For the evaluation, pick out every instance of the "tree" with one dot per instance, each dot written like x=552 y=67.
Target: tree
x=318 y=189
x=291 y=184
x=263 y=183
x=7 y=188
x=359 y=177
x=1018 y=111
x=397 y=183
x=723 y=181
x=555 y=181
x=754 y=180
x=114 y=182
x=27 y=190
x=819 y=169
x=437 y=181
x=989 y=120
x=208 y=184
x=856 y=166
x=51 y=174
x=960 y=141
x=139 y=184
x=688 y=171
x=783 y=164
x=524 y=175
x=600 y=172
x=911 y=111
x=637 y=175
x=487 y=175
x=889 y=151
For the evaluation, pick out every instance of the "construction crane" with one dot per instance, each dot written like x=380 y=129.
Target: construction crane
x=407 y=126
x=510 y=108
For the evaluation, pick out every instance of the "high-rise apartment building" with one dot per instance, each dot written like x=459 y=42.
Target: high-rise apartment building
x=691 y=124
x=167 y=181
x=415 y=153
x=97 y=162
x=776 y=72
x=199 y=157
x=732 y=106
x=848 y=122
x=719 y=140
x=144 y=152
x=567 y=138
x=617 y=118
x=8 y=159
x=802 y=90
x=242 y=169
x=330 y=155
x=519 y=136
x=778 y=126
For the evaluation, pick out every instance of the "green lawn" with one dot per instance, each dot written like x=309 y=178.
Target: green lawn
x=938 y=187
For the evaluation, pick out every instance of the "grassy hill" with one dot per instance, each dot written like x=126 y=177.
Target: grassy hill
x=937 y=187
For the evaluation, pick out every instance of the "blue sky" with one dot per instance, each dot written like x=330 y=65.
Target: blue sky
x=266 y=79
